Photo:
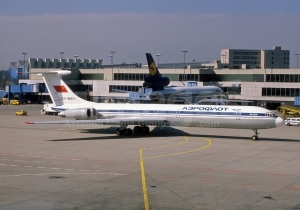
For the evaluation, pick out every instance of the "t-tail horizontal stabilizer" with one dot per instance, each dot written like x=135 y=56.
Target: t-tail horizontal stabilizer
x=59 y=92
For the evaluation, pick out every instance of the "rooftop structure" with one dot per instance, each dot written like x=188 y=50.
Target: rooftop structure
x=255 y=59
x=64 y=63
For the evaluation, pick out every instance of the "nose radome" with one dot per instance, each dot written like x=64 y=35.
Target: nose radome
x=279 y=121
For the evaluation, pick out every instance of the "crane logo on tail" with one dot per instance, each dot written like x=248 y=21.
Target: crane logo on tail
x=152 y=68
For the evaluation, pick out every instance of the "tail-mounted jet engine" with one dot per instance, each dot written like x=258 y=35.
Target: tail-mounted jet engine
x=80 y=113
x=156 y=83
x=154 y=80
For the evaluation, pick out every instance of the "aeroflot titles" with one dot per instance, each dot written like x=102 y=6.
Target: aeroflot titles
x=189 y=108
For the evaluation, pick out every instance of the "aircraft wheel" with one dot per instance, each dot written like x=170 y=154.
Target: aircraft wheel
x=120 y=132
x=137 y=129
x=254 y=137
x=145 y=129
x=127 y=132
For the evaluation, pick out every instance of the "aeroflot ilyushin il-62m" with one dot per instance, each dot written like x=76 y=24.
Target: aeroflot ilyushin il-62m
x=141 y=116
x=162 y=93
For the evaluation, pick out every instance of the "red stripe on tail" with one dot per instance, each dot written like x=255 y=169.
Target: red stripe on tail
x=60 y=89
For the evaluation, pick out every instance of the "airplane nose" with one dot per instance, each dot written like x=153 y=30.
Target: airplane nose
x=279 y=121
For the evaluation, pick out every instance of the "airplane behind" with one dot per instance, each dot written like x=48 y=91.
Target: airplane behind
x=187 y=95
x=164 y=94
x=80 y=111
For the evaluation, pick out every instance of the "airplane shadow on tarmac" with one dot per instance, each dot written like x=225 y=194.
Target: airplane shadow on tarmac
x=248 y=138
x=156 y=132
x=159 y=132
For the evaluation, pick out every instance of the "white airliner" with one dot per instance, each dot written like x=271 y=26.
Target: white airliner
x=159 y=91
x=81 y=111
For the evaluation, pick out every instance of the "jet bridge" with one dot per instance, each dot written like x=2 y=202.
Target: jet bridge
x=24 y=92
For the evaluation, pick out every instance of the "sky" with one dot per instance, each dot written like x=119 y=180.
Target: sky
x=93 y=28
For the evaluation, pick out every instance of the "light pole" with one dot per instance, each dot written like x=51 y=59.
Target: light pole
x=61 y=62
x=61 y=54
x=76 y=56
x=158 y=59
x=112 y=63
x=223 y=55
x=24 y=53
x=297 y=58
x=3 y=77
x=184 y=51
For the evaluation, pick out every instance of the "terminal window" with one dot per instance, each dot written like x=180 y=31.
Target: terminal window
x=281 y=92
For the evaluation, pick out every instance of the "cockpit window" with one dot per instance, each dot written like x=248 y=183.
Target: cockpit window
x=271 y=114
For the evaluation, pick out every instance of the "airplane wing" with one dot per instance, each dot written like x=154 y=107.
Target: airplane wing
x=123 y=91
x=187 y=101
x=133 y=92
x=214 y=100
x=167 y=93
x=177 y=91
x=217 y=100
x=118 y=121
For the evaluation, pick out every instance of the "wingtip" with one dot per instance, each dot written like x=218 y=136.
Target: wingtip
x=29 y=122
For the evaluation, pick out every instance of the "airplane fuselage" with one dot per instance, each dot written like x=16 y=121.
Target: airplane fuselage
x=243 y=117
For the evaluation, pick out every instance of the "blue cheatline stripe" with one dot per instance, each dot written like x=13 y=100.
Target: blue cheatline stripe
x=166 y=112
x=58 y=109
x=169 y=112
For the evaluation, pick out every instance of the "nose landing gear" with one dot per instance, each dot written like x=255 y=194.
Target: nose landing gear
x=255 y=137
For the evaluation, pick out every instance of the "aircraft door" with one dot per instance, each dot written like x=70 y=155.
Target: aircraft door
x=177 y=113
x=238 y=114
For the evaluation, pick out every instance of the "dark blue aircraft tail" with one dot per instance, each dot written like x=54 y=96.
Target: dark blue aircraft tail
x=153 y=70
x=154 y=80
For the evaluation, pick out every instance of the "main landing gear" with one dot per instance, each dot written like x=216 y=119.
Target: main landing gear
x=128 y=131
x=255 y=137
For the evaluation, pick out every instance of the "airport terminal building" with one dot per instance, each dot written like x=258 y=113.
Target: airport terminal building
x=262 y=76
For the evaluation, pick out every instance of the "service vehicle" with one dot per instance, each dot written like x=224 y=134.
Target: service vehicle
x=292 y=121
x=14 y=102
x=21 y=113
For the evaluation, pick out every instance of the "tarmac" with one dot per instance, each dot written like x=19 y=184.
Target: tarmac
x=90 y=167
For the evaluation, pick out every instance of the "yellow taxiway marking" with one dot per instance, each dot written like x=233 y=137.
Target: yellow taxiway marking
x=181 y=153
x=146 y=202
x=170 y=145
x=144 y=185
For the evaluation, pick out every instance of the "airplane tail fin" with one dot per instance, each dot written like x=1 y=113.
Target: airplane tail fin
x=155 y=80
x=59 y=91
x=153 y=70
